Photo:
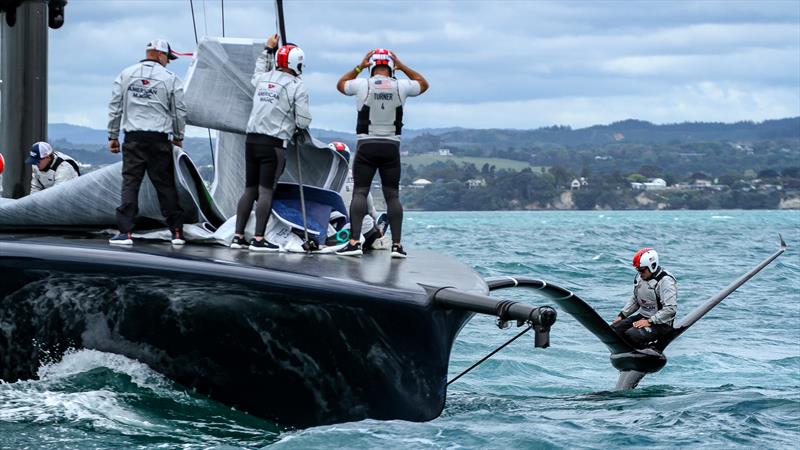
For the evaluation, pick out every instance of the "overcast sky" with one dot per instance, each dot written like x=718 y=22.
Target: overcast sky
x=491 y=64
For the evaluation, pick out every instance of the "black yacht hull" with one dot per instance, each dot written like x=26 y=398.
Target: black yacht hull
x=322 y=340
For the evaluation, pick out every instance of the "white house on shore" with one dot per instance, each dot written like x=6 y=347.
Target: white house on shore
x=421 y=183
x=577 y=184
x=475 y=183
x=654 y=184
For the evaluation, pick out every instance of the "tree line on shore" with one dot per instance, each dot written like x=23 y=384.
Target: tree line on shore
x=545 y=189
x=704 y=165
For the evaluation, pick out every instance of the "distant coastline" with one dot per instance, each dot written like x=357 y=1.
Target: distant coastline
x=627 y=165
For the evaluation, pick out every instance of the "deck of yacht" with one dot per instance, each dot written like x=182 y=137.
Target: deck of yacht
x=375 y=269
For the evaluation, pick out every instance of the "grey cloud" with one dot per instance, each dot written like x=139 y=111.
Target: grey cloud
x=490 y=63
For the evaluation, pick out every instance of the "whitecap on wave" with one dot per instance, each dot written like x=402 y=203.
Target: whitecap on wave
x=79 y=361
x=48 y=400
x=122 y=398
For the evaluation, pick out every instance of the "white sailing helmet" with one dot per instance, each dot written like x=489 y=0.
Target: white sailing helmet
x=291 y=57
x=646 y=257
x=381 y=57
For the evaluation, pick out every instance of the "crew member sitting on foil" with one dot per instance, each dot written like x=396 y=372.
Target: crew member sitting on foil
x=374 y=224
x=655 y=296
x=380 y=102
x=148 y=100
x=280 y=107
x=50 y=167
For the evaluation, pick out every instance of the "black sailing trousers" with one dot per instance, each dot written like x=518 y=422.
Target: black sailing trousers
x=382 y=156
x=640 y=337
x=154 y=158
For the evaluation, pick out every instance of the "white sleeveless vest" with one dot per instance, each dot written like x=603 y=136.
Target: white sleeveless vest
x=382 y=112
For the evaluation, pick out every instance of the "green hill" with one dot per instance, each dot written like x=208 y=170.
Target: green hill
x=499 y=163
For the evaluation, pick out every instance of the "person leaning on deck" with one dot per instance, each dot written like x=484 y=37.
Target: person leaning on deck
x=147 y=99
x=380 y=101
x=280 y=108
x=50 y=167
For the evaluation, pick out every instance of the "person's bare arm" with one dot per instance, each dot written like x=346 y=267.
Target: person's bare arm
x=353 y=73
x=411 y=73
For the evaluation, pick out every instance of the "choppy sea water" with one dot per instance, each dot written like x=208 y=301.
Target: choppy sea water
x=732 y=380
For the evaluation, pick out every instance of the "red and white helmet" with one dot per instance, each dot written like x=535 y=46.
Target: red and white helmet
x=340 y=147
x=381 y=57
x=291 y=57
x=646 y=257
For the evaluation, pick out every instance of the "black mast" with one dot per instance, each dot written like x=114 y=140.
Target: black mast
x=281 y=24
x=23 y=91
x=23 y=84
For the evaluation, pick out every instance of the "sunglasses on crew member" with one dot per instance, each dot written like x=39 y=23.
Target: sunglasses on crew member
x=641 y=269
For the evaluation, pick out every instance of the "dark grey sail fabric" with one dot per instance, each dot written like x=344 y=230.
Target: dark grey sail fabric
x=217 y=91
x=91 y=200
x=218 y=95
x=321 y=167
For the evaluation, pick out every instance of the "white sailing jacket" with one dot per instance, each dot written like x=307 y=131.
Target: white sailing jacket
x=147 y=97
x=656 y=298
x=280 y=101
x=41 y=180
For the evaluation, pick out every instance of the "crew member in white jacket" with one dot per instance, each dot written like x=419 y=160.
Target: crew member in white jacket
x=655 y=297
x=147 y=100
x=280 y=107
x=50 y=167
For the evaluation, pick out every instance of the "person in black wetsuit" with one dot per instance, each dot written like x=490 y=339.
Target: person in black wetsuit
x=655 y=297
x=280 y=108
x=380 y=120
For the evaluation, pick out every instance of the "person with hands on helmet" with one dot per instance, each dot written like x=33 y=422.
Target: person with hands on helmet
x=655 y=297
x=380 y=101
x=280 y=108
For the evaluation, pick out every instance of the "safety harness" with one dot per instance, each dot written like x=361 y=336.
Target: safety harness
x=71 y=162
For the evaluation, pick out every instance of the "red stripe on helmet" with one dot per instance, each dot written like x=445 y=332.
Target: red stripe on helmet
x=283 y=56
x=637 y=258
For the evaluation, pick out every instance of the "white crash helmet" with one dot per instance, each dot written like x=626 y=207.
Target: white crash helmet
x=646 y=257
x=291 y=57
x=340 y=147
x=381 y=57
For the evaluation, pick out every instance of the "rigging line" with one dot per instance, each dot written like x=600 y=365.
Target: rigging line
x=223 y=17
x=194 y=25
x=489 y=355
x=205 y=20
